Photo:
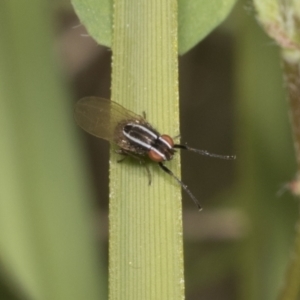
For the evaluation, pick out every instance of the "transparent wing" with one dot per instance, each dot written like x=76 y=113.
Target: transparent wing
x=100 y=117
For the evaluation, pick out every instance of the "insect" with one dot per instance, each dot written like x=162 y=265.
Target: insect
x=132 y=133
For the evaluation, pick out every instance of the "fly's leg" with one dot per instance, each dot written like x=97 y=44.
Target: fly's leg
x=121 y=152
x=168 y=171
x=139 y=159
x=204 y=152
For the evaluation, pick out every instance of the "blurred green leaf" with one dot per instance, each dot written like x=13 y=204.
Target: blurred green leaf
x=196 y=19
x=47 y=246
x=96 y=16
x=266 y=160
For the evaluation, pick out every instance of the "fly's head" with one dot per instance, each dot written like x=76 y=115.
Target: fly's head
x=162 y=149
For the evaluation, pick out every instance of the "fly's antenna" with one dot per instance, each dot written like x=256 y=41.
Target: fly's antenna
x=204 y=152
x=164 y=168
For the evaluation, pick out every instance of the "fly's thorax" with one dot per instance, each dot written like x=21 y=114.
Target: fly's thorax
x=139 y=137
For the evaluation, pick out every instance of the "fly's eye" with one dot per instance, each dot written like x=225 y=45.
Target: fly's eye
x=167 y=139
x=155 y=156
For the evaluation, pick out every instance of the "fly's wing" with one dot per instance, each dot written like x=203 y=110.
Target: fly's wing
x=100 y=117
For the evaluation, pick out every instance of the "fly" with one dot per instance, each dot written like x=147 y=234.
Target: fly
x=132 y=133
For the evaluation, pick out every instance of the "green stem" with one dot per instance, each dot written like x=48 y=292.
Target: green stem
x=145 y=253
x=290 y=289
x=291 y=67
x=291 y=64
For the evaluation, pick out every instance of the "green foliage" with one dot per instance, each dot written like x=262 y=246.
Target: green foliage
x=46 y=242
x=196 y=19
x=96 y=16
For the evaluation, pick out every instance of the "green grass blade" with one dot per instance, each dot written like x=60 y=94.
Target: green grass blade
x=146 y=256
